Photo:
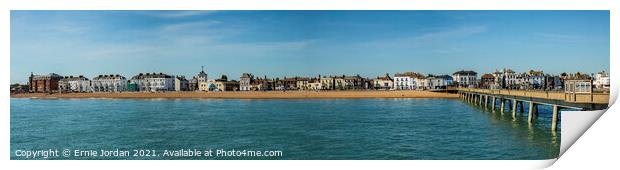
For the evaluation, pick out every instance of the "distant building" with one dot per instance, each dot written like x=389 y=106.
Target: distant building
x=315 y=84
x=386 y=82
x=245 y=82
x=487 y=81
x=193 y=84
x=339 y=82
x=181 y=84
x=534 y=80
x=44 y=83
x=223 y=84
x=201 y=80
x=132 y=86
x=302 y=83
x=327 y=83
x=355 y=82
x=439 y=82
x=465 y=78
x=405 y=81
x=153 y=82
x=261 y=84
x=289 y=83
x=232 y=85
x=503 y=78
x=109 y=83
x=70 y=84
x=554 y=83
x=19 y=88
x=601 y=80
x=421 y=83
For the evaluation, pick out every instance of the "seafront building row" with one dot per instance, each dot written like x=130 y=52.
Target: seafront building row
x=160 y=82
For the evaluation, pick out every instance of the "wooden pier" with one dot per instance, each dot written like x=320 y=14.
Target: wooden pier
x=516 y=99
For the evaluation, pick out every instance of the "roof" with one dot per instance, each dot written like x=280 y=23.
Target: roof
x=151 y=75
x=353 y=77
x=246 y=75
x=385 y=78
x=409 y=74
x=111 y=76
x=488 y=76
x=47 y=76
x=182 y=78
x=72 y=78
x=445 y=77
x=202 y=74
x=465 y=73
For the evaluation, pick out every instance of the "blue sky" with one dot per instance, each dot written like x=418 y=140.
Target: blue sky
x=305 y=43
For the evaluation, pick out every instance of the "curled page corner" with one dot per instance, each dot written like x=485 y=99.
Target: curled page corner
x=574 y=124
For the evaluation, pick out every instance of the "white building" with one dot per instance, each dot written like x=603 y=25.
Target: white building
x=181 y=83
x=202 y=81
x=153 y=82
x=421 y=83
x=439 y=82
x=109 y=83
x=601 y=80
x=405 y=81
x=534 y=80
x=315 y=84
x=245 y=81
x=74 y=84
x=384 y=83
x=465 y=78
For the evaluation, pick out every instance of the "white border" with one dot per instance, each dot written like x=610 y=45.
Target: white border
x=595 y=149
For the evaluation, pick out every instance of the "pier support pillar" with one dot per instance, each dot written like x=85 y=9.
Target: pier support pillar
x=554 y=119
x=501 y=105
x=532 y=109
x=486 y=102
x=514 y=108
x=535 y=110
x=493 y=103
x=521 y=107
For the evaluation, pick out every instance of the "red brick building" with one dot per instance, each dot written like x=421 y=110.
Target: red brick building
x=43 y=83
x=487 y=81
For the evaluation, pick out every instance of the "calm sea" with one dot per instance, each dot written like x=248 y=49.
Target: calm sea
x=299 y=128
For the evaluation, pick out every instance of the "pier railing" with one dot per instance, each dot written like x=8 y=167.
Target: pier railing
x=514 y=99
x=594 y=98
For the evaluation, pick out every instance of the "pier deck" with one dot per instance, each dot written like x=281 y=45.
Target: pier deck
x=515 y=98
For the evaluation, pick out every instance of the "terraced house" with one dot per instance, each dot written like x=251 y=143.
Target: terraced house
x=109 y=83
x=465 y=78
x=74 y=84
x=154 y=82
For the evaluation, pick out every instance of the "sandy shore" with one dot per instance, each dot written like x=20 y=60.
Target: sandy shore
x=249 y=95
